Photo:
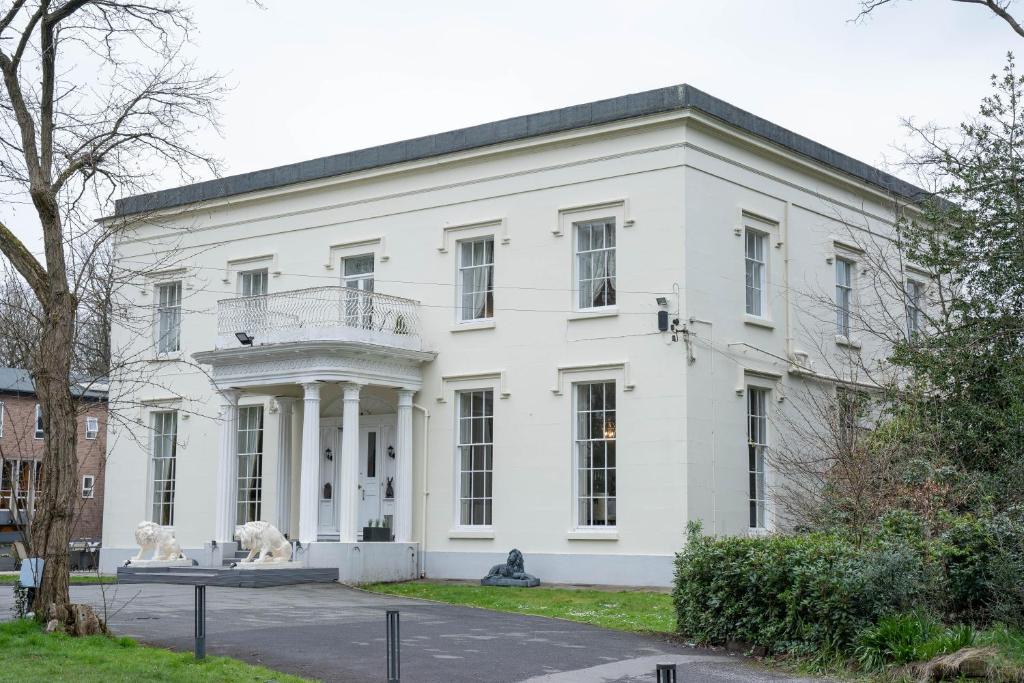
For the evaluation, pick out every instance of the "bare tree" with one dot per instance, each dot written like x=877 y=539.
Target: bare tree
x=1000 y=8
x=98 y=98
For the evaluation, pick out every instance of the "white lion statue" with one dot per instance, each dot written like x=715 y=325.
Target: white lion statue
x=160 y=539
x=265 y=539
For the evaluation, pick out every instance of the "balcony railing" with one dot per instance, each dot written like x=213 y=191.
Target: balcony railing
x=320 y=314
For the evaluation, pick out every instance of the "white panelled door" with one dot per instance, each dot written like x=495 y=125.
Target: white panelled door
x=370 y=474
x=330 y=457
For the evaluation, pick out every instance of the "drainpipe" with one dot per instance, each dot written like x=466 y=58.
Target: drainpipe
x=426 y=489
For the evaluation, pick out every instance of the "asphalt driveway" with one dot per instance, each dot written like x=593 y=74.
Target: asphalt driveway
x=334 y=633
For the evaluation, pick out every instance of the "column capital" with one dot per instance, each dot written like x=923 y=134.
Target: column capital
x=283 y=404
x=311 y=390
x=351 y=391
x=405 y=397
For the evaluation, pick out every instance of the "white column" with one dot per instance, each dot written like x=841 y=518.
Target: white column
x=285 y=412
x=403 y=468
x=350 y=495
x=309 y=478
x=227 y=467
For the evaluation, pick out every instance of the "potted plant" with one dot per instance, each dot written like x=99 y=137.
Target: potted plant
x=376 y=532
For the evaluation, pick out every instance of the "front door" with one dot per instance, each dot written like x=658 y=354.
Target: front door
x=370 y=473
x=330 y=456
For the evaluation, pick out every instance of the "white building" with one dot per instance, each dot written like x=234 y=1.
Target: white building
x=459 y=334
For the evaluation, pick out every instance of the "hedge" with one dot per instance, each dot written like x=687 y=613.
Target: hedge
x=801 y=594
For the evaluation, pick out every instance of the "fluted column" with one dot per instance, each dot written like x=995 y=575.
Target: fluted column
x=309 y=478
x=350 y=494
x=403 y=467
x=227 y=467
x=285 y=413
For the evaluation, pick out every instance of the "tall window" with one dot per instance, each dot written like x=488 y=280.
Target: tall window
x=250 y=464
x=476 y=279
x=844 y=296
x=165 y=446
x=252 y=282
x=595 y=263
x=756 y=272
x=357 y=275
x=1 y=418
x=40 y=431
x=168 y=310
x=757 y=442
x=20 y=480
x=595 y=453
x=914 y=291
x=476 y=456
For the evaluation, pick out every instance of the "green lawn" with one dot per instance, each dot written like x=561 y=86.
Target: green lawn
x=27 y=654
x=76 y=580
x=621 y=610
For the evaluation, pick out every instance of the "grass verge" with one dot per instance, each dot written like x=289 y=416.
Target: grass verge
x=76 y=580
x=29 y=655
x=642 y=611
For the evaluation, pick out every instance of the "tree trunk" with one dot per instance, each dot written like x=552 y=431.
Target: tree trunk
x=52 y=521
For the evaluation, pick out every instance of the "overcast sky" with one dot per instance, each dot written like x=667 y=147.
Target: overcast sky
x=318 y=77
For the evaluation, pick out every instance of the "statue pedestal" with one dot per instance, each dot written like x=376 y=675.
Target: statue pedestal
x=270 y=565
x=531 y=582
x=161 y=563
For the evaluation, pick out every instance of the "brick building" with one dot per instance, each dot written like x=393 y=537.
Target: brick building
x=22 y=460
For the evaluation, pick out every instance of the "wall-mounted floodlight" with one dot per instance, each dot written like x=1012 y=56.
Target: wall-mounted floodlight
x=244 y=338
x=662 y=301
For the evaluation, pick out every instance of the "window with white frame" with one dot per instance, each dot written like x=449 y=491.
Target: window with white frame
x=757 y=272
x=476 y=279
x=357 y=277
x=757 y=442
x=168 y=315
x=252 y=282
x=250 y=464
x=92 y=427
x=595 y=263
x=914 y=291
x=164 y=461
x=844 y=296
x=40 y=431
x=88 y=486
x=595 y=454
x=476 y=456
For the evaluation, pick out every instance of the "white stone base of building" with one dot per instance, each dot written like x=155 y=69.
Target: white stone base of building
x=365 y=562
x=613 y=570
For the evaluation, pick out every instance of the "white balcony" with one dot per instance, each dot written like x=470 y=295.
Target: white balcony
x=320 y=314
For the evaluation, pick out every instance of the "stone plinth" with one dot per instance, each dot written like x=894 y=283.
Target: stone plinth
x=269 y=565
x=180 y=562
x=530 y=582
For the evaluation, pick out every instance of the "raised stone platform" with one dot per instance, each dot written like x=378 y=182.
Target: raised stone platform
x=226 y=577
x=160 y=563
x=267 y=566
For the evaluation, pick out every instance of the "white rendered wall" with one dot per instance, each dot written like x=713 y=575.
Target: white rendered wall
x=678 y=459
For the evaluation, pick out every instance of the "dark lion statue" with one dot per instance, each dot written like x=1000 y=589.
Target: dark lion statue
x=512 y=573
x=513 y=566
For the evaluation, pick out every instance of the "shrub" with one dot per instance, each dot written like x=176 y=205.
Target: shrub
x=811 y=593
x=904 y=638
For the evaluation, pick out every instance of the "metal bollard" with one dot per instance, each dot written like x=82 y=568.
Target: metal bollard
x=665 y=673
x=392 y=646
x=200 y=622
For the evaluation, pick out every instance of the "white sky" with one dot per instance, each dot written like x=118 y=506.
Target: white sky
x=318 y=77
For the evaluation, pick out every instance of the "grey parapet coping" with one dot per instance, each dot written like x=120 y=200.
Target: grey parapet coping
x=662 y=100
x=225 y=577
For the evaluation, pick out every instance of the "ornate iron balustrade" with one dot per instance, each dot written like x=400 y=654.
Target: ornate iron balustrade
x=318 y=314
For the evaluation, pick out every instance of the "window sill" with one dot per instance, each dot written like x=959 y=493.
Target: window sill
x=593 y=535
x=756 y=321
x=843 y=340
x=609 y=312
x=483 y=534
x=474 y=325
x=167 y=357
x=757 y=532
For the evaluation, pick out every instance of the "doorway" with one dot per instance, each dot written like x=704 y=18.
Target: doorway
x=371 y=471
x=330 y=457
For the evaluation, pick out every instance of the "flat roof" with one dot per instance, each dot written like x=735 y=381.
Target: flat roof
x=672 y=98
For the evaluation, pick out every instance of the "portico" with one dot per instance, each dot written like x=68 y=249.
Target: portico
x=344 y=382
